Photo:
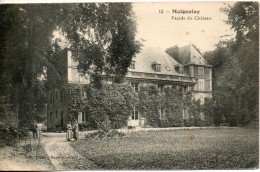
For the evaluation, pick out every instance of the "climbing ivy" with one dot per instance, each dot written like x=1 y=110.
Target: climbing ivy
x=149 y=103
x=107 y=107
x=111 y=105
x=75 y=101
x=175 y=103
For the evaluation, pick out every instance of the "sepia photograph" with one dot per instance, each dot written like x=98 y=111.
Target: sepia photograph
x=129 y=86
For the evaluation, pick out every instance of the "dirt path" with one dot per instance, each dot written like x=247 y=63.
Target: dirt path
x=62 y=155
x=17 y=159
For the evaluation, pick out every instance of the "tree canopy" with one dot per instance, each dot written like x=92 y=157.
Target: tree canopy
x=236 y=66
x=101 y=37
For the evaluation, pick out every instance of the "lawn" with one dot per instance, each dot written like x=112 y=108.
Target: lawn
x=234 y=148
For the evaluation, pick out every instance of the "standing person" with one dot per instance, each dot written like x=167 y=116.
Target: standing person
x=69 y=131
x=34 y=130
x=75 y=130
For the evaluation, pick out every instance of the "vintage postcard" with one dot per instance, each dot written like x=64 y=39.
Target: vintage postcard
x=129 y=86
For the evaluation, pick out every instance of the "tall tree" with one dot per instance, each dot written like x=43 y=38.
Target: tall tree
x=236 y=62
x=102 y=38
x=96 y=32
x=25 y=33
x=244 y=18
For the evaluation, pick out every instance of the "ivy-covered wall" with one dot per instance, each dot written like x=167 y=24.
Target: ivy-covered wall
x=174 y=102
x=111 y=105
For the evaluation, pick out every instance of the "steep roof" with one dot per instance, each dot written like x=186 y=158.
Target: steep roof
x=188 y=55
x=150 y=55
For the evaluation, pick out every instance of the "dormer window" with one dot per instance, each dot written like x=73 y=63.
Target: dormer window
x=156 y=67
x=132 y=65
x=179 y=69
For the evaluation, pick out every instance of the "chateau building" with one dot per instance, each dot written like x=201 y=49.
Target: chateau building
x=183 y=67
x=197 y=67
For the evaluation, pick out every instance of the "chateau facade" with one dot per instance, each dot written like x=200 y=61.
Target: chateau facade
x=184 y=68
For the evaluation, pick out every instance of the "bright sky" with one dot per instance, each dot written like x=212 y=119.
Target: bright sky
x=159 y=30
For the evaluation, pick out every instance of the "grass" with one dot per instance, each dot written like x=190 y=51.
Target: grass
x=234 y=148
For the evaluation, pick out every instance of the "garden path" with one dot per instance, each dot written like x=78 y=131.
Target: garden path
x=62 y=155
x=17 y=159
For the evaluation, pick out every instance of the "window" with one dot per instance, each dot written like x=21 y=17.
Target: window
x=50 y=116
x=80 y=78
x=132 y=65
x=185 y=89
x=64 y=96
x=188 y=88
x=179 y=88
x=61 y=95
x=135 y=114
x=134 y=86
x=51 y=98
x=201 y=84
x=202 y=116
x=156 y=67
x=84 y=116
x=161 y=88
x=202 y=99
x=61 y=118
x=56 y=92
x=201 y=71
x=80 y=117
x=83 y=94
x=180 y=69
x=161 y=112
x=166 y=67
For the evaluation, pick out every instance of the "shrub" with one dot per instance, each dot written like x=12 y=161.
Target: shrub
x=82 y=126
x=175 y=122
x=187 y=123
x=163 y=123
x=9 y=134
